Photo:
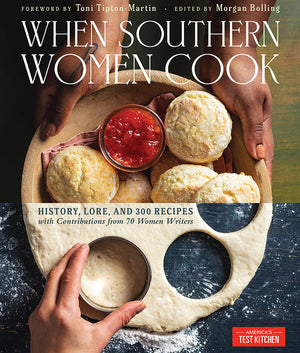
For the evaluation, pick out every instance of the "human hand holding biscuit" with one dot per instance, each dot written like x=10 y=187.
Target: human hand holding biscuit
x=56 y=324
x=56 y=100
x=252 y=102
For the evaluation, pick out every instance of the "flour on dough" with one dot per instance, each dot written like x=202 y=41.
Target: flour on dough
x=114 y=273
x=166 y=310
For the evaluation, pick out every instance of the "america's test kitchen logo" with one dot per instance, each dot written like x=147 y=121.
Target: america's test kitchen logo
x=258 y=336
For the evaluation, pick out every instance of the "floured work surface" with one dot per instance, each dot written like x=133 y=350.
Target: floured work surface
x=51 y=236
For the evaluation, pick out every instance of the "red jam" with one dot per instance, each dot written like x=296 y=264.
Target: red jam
x=133 y=137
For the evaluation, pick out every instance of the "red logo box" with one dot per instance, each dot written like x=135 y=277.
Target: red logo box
x=258 y=336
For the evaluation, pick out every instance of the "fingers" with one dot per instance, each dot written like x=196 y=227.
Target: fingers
x=257 y=128
x=252 y=121
x=119 y=318
x=54 y=108
x=40 y=105
x=53 y=278
x=71 y=279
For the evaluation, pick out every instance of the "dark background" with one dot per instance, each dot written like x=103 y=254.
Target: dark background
x=18 y=96
x=195 y=264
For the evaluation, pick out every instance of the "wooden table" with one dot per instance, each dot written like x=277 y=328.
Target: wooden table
x=196 y=267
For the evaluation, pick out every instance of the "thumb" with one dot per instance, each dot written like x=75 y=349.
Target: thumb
x=54 y=108
x=252 y=122
x=119 y=318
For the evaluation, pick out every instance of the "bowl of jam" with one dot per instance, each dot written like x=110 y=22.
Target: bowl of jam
x=132 y=138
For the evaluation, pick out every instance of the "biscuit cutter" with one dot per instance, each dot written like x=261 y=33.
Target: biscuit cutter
x=171 y=310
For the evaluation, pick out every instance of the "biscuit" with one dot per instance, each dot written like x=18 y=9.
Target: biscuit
x=81 y=174
x=134 y=187
x=229 y=188
x=167 y=161
x=198 y=127
x=180 y=183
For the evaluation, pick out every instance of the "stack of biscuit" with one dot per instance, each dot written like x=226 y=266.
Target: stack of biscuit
x=198 y=129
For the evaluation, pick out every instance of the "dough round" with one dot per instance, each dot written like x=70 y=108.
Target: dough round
x=229 y=188
x=134 y=187
x=81 y=174
x=115 y=272
x=198 y=127
x=167 y=161
x=180 y=183
x=166 y=309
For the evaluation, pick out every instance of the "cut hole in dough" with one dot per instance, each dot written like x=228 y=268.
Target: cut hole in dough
x=227 y=218
x=197 y=265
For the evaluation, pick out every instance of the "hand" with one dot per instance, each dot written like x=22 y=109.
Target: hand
x=252 y=102
x=56 y=100
x=56 y=324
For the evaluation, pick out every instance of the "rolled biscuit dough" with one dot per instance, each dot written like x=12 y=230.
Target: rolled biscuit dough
x=166 y=310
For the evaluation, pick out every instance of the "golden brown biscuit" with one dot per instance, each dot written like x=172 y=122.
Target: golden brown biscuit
x=229 y=188
x=134 y=187
x=167 y=161
x=180 y=183
x=198 y=127
x=81 y=174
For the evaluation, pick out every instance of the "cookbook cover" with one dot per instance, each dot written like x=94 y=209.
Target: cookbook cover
x=165 y=136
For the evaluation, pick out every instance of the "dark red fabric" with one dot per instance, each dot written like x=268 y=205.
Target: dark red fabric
x=158 y=104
